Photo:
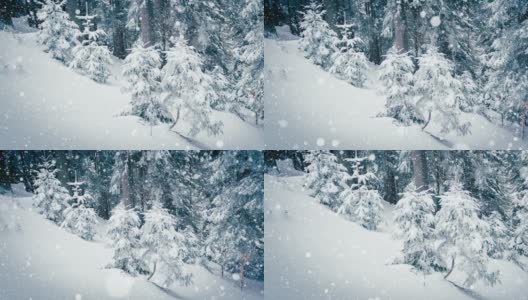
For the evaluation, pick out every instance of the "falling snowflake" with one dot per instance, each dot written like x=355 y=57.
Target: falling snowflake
x=423 y=14
x=435 y=21
x=308 y=254
x=78 y=297
x=220 y=144
x=283 y=123
x=320 y=142
x=236 y=277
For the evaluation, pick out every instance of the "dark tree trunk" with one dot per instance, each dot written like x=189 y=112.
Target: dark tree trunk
x=419 y=169
x=399 y=29
x=332 y=10
x=146 y=22
x=125 y=188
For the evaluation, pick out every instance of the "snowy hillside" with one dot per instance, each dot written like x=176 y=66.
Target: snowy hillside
x=313 y=253
x=307 y=107
x=39 y=260
x=46 y=105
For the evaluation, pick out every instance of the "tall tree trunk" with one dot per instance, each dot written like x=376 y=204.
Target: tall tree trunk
x=452 y=267
x=145 y=21
x=420 y=169
x=399 y=29
x=331 y=7
x=125 y=188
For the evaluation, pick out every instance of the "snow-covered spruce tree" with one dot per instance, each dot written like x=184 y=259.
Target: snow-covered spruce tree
x=50 y=196
x=497 y=243
x=461 y=235
x=469 y=99
x=250 y=84
x=58 y=33
x=79 y=218
x=437 y=91
x=164 y=246
x=317 y=38
x=124 y=234
x=519 y=240
x=360 y=203
x=236 y=219
x=414 y=220
x=189 y=89
x=396 y=76
x=326 y=177
x=348 y=63
x=141 y=71
x=90 y=57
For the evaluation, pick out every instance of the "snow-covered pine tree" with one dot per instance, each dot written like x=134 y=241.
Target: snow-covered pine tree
x=236 y=215
x=79 y=217
x=349 y=64
x=360 y=203
x=519 y=240
x=326 y=177
x=190 y=90
x=437 y=92
x=90 y=57
x=50 y=196
x=250 y=84
x=461 y=235
x=164 y=246
x=58 y=33
x=414 y=220
x=396 y=76
x=141 y=71
x=317 y=38
x=469 y=98
x=497 y=243
x=124 y=234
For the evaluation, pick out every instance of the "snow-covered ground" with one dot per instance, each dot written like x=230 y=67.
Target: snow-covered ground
x=313 y=253
x=46 y=105
x=308 y=108
x=39 y=260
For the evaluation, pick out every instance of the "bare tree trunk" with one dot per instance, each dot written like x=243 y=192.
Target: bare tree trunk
x=452 y=267
x=146 y=28
x=153 y=271
x=428 y=120
x=177 y=117
x=331 y=7
x=420 y=169
x=399 y=29
x=125 y=192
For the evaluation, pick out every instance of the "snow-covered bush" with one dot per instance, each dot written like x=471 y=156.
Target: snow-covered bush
x=141 y=71
x=317 y=38
x=461 y=235
x=190 y=90
x=58 y=33
x=81 y=220
x=78 y=217
x=519 y=239
x=396 y=76
x=326 y=177
x=124 y=233
x=437 y=91
x=358 y=202
x=50 y=196
x=497 y=242
x=164 y=247
x=89 y=56
x=348 y=63
x=469 y=98
x=414 y=220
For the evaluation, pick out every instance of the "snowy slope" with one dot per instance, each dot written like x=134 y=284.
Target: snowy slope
x=45 y=105
x=312 y=253
x=39 y=260
x=307 y=107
